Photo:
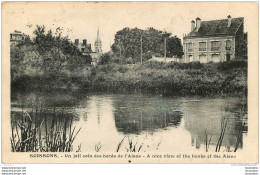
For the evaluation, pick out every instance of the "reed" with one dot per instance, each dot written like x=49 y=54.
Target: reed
x=98 y=147
x=207 y=142
x=120 y=144
x=222 y=133
x=239 y=135
x=27 y=135
x=133 y=147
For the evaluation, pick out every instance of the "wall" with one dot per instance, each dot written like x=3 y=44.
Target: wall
x=167 y=60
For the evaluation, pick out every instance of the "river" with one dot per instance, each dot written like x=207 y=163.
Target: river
x=150 y=122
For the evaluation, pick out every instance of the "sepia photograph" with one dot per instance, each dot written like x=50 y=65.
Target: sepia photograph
x=122 y=82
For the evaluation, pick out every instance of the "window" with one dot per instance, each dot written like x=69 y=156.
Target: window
x=190 y=58
x=189 y=47
x=202 y=46
x=215 y=45
x=228 y=45
x=203 y=58
x=215 y=58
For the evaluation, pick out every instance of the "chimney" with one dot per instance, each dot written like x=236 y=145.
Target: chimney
x=229 y=21
x=76 y=41
x=84 y=42
x=198 y=21
x=192 y=25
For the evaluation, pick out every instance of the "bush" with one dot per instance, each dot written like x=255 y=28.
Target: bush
x=194 y=65
x=105 y=59
x=129 y=60
x=232 y=64
x=153 y=64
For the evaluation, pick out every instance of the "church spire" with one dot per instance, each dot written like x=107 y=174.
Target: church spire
x=98 y=43
x=98 y=38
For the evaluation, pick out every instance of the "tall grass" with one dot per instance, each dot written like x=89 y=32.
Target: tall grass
x=120 y=144
x=222 y=133
x=207 y=142
x=98 y=147
x=31 y=133
x=131 y=146
x=239 y=135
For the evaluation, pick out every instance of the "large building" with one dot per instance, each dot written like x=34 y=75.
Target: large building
x=216 y=40
x=17 y=37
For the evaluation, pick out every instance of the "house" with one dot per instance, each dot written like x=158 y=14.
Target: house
x=216 y=40
x=17 y=37
x=83 y=46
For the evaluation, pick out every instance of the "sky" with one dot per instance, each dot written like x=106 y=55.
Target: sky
x=81 y=20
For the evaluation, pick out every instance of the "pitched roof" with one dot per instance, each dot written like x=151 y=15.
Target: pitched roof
x=217 y=27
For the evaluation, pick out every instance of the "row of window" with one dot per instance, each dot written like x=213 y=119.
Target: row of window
x=205 y=59
x=215 y=45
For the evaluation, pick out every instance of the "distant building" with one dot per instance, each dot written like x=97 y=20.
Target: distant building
x=98 y=49
x=83 y=46
x=17 y=37
x=216 y=40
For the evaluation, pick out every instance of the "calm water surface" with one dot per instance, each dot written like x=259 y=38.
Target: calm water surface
x=157 y=123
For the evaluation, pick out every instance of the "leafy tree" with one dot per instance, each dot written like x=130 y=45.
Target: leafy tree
x=127 y=43
x=174 y=47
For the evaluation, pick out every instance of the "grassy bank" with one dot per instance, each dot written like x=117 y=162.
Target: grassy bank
x=151 y=77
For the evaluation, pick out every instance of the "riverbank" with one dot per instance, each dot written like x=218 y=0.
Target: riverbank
x=151 y=77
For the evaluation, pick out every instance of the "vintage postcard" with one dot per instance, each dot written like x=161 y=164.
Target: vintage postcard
x=130 y=82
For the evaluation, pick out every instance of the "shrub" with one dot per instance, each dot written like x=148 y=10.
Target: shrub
x=232 y=64
x=105 y=59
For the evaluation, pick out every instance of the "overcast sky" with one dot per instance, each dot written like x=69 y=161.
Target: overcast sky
x=81 y=20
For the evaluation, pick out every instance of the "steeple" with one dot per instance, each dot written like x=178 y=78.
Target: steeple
x=98 y=43
x=98 y=38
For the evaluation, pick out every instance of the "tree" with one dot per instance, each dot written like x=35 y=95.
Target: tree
x=127 y=43
x=174 y=47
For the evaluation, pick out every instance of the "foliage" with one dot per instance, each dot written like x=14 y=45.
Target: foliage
x=105 y=58
x=172 y=79
x=127 y=43
x=232 y=65
x=47 y=55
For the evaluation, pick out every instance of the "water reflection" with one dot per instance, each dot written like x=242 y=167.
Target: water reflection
x=203 y=118
x=163 y=123
x=138 y=114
